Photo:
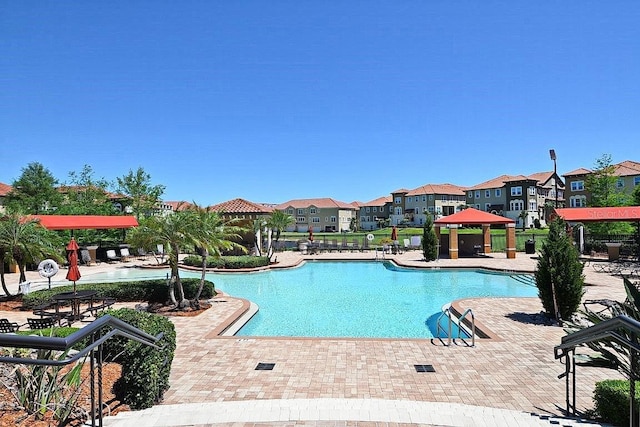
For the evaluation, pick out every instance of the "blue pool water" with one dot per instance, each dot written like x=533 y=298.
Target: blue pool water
x=358 y=299
x=350 y=299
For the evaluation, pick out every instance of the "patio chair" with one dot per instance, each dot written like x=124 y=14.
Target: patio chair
x=125 y=255
x=111 y=256
x=142 y=254
x=355 y=247
x=407 y=244
x=85 y=257
x=7 y=327
x=41 y=323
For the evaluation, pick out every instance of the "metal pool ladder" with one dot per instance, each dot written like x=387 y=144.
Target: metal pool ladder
x=458 y=320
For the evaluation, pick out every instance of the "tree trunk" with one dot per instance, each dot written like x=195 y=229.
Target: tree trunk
x=4 y=284
x=196 y=300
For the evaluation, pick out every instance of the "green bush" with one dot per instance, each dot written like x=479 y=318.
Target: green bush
x=145 y=370
x=153 y=291
x=611 y=398
x=228 y=262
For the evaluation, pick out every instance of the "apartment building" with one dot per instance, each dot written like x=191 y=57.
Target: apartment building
x=323 y=214
x=411 y=207
x=628 y=177
x=525 y=199
x=374 y=214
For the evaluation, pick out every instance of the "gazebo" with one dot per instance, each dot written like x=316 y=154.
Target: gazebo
x=471 y=216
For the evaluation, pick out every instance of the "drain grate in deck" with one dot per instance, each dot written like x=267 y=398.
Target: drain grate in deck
x=265 y=366
x=424 y=368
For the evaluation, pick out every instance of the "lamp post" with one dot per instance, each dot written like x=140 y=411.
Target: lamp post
x=552 y=154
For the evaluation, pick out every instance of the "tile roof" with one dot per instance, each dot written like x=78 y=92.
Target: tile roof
x=542 y=177
x=497 y=182
x=325 y=202
x=438 y=189
x=241 y=206
x=627 y=168
x=4 y=189
x=380 y=201
x=580 y=171
x=400 y=190
x=177 y=205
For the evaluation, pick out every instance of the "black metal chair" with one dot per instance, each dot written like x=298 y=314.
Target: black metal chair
x=41 y=323
x=7 y=327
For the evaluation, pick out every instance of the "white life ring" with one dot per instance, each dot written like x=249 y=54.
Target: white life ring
x=48 y=268
x=369 y=237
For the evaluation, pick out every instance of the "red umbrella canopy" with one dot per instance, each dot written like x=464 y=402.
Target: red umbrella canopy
x=311 y=233
x=394 y=233
x=74 y=272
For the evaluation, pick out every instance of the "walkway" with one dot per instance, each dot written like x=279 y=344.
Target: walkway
x=318 y=380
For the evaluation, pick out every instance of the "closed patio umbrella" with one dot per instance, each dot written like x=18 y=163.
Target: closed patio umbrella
x=394 y=233
x=72 y=254
x=310 y=233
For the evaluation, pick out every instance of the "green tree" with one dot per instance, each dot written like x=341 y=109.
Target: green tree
x=429 y=240
x=602 y=185
x=24 y=241
x=278 y=221
x=86 y=195
x=213 y=235
x=34 y=192
x=175 y=232
x=559 y=273
x=144 y=196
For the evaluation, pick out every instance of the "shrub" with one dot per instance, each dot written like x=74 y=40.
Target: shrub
x=153 y=291
x=145 y=370
x=611 y=399
x=559 y=266
x=429 y=241
x=229 y=262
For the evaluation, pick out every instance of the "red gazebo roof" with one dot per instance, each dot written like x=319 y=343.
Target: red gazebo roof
x=473 y=217
x=78 y=222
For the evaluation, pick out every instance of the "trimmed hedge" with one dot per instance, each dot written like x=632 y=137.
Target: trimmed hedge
x=145 y=370
x=228 y=262
x=152 y=291
x=611 y=399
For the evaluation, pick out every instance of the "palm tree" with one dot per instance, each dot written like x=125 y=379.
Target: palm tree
x=23 y=241
x=174 y=231
x=213 y=235
x=279 y=221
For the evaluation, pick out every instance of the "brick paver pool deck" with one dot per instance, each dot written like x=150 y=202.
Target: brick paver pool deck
x=514 y=371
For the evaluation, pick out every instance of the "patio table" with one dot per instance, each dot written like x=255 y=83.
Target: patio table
x=75 y=299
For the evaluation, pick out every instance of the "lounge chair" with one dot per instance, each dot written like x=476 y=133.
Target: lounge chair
x=142 y=254
x=355 y=246
x=365 y=245
x=85 y=257
x=111 y=256
x=416 y=242
x=125 y=254
x=407 y=244
x=7 y=327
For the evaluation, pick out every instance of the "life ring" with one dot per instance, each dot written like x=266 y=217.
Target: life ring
x=369 y=237
x=48 y=268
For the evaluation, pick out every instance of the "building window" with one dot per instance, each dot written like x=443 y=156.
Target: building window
x=487 y=207
x=516 y=205
x=424 y=198
x=577 y=185
x=516 y=191
x=398 y=211
x=398 y=200
x=636 y=180
x=315 y=219
x=431 y=209
x=312 y=210
x=290 y=211
x=533 y=206
x=469 y=194
x=498 y=192
x=301 y=219
x=620 y=183
x=578 y=201
x=424 y=209
x=487 y=193
x=368 y=209
x=430 y=196
x=375 y=209
x=333 y=219
x=532 y=191
x=300 y=211
x=477 y=194
x=478 y=207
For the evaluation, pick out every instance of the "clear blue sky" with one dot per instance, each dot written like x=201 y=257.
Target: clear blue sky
x=276 y=100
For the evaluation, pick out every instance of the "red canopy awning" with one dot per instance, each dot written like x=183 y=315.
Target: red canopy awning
x=78 y=222
x=621 y=213
x=473 y=216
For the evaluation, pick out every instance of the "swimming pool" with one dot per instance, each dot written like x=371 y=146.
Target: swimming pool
x=353 y=299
